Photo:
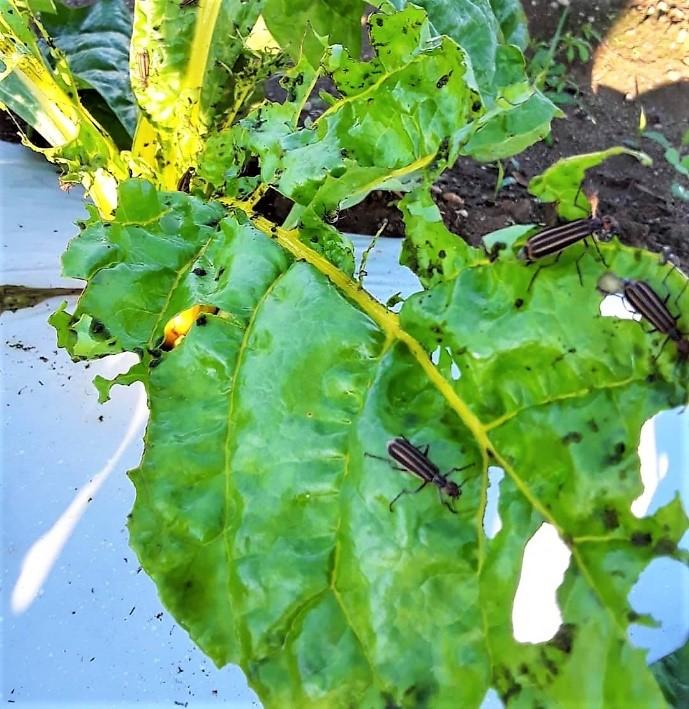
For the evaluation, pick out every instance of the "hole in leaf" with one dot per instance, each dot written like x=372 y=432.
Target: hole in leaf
x=615 y=306
x=435 y=355
x=455 y=371
x=661 y=591
x=492 y=523
x=491 y=700
x=664 y=454
x=536 y=616
x=179 y=325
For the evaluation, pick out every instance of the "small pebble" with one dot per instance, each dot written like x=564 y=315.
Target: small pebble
x=453 y=199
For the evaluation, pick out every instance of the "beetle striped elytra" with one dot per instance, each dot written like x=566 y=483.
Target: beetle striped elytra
x=416 y=461
x=647 y=303
x=654 y=309
x=554 y=240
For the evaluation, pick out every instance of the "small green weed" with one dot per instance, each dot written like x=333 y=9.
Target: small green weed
x=678 y=158
x=549 y=60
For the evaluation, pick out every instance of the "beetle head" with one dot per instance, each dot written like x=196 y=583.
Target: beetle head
x=453 y=490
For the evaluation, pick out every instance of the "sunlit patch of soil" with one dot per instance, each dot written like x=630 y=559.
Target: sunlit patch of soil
x=646 y=48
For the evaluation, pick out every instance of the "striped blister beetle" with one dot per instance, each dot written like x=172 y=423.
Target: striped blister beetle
x=554 y=240
x=416 y=461
x=647 y=303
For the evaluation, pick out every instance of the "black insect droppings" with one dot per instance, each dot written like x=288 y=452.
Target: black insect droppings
x=199 y=272
x=476 y=106
x=511 y=692
x=610 y=518
x=572 y=437
x=442 y=81
x=641 y=539
x=549 y=664
x=418 y=695
x=665 y=547
x=389 y=701
x=617 y=453
x=220 y=272
x=518 y=303
x=564 y=638
x=201 y=320
x=441 y=253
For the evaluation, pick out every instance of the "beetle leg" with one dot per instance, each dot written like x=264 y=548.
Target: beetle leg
x=600 y=255
x=456 y=470
x=377 y=457
x=446 y=503
x=576 y=263
x=533 y=278
x=405 y=492
x=662 y=347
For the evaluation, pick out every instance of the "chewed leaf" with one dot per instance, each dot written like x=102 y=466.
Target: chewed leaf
x=262 y=509
x=136 y=373
x=561 y=182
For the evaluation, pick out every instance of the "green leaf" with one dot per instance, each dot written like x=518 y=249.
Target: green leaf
x=679 y=191
x=672 y=673
x=512 y=19
x=673 y=157
x=95 y=39
x=339 y=20
x=561 y=182
x=505 y=132
x=265 y=524
x=658 y=138
x=136 y=373
x=423 y=226
x=507 y=236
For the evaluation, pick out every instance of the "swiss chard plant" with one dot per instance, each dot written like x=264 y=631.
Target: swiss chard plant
x=273 y=377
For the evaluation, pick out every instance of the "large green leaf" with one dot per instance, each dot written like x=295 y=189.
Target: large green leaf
x=266 y=527
x=96 y=41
